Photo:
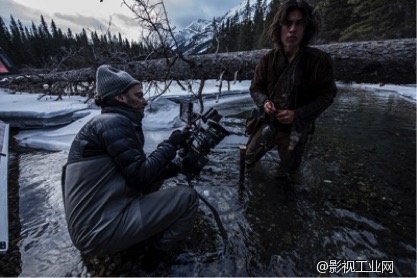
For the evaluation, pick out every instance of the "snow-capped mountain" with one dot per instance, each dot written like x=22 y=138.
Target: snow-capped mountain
x=196 y=37
x=242 y=6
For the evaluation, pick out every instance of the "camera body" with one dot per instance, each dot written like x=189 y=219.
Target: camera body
x=206 y=134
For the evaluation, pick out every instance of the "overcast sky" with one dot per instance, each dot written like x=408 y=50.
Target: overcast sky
x=96 y=15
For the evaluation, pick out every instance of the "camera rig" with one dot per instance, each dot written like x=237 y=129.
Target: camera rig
x=206 y=133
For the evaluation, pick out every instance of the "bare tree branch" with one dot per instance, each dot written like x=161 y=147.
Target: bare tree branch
x=159 y=37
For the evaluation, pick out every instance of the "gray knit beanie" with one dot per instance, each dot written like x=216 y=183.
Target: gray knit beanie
x=113 y=82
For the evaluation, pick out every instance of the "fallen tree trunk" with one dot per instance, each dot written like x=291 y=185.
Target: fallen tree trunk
x=389 y=61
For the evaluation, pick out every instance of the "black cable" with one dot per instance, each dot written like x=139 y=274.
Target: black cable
x=215 y=213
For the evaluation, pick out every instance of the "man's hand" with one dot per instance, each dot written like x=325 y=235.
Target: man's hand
x=269 y=107
x=285 y=116
x=282 y=116
x=179 y=138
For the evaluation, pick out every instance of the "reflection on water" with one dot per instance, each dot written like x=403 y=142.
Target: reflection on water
x=355 y=200
x=45 y=247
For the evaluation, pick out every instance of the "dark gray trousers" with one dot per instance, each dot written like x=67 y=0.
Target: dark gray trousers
x=165 y=216
x=168 y=215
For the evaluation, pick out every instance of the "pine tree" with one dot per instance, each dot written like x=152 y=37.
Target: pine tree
x=17 y=45
x=258 y=24
x=44 y=29
x=245 y=39
x=335 y=18
x=265 y=39
x=234 y=29
x=5 y=38
x=379 y=19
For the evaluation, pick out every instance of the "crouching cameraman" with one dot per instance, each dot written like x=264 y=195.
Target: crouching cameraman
x=109 y=201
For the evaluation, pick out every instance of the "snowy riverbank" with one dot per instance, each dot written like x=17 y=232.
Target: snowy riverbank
x=53 y=124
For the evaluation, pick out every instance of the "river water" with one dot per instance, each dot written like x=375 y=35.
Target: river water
x=352 y=211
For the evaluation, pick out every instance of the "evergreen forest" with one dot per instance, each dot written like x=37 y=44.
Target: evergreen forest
x=46 y=47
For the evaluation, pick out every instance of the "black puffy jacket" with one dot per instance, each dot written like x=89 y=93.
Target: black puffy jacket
x=117 y=132
x=106 y=174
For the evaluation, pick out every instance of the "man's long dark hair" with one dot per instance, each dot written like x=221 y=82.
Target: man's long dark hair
x=312 y=21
